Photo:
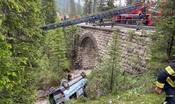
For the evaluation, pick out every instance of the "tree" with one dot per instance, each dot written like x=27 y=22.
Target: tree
x=9 y=68
x=110 y=4
x=104 y=5
x=79 y=8
x=88 y=7
x=21 y=23
x=72 y=9
x=162 y=48
x=53 y=62
x=130 y=2
x=101 y=5
x=94 y=6
x=49 y=7
x=72 y=35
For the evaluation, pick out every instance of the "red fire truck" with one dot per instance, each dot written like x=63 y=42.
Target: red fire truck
x=146 y=14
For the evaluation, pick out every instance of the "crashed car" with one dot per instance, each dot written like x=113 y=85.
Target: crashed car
x=68 y=90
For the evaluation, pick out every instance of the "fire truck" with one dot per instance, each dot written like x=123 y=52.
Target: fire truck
x=147 y=14
x=127 y=15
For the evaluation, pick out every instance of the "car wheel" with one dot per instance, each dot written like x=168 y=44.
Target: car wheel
x=65 y=84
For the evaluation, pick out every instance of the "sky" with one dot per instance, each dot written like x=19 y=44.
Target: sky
x=116 y=2
x=122 y=1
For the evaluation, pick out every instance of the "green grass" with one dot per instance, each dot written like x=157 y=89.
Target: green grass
x=141 y=92
x=126 y=97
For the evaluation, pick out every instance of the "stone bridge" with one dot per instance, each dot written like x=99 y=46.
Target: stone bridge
x=94 y=43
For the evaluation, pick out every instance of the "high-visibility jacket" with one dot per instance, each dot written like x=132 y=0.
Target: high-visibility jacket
x=167 y=76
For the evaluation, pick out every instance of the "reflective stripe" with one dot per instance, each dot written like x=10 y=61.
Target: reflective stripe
x=160 y=85
x=165 y=103
x=170 y=81
x=170 y=71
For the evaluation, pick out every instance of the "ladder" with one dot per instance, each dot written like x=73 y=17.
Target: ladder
x=104 y=15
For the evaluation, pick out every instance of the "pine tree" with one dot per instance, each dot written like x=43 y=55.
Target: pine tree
x=21 y=23
x=110 y=4
x=67 y=8
x=87 y=7
x=8 y=68
x=53 y=61
x=162 y=48
x=94 y=6
x=130 y=2
x=72 y=35
x=79 y=8
x=72 y=9
x=49 y=7
x=101 y=5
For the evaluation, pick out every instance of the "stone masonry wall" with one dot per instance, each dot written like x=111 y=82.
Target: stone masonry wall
x=101 y=40
x=133 y=46
x=134 y=55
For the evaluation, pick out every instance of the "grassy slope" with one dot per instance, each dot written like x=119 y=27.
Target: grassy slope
x=127 y=97
x=141 y=92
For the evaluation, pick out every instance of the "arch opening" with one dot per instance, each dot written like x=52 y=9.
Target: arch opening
x=87 y=53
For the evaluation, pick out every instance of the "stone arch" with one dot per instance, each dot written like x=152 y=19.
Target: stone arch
x=87 y=51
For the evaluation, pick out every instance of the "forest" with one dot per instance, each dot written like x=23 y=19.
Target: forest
x=32 y=59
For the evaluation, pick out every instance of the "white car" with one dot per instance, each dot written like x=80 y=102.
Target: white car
x=68 y=90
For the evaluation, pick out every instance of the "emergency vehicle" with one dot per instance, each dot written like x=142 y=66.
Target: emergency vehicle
x=147 y=14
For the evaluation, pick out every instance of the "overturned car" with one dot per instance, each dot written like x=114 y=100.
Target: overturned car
x=68 y=90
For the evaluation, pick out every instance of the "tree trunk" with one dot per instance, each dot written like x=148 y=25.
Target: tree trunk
x=170 y=45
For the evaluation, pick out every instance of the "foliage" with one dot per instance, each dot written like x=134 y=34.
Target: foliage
x=94 y=6
x=104 y=5
x=53 y=60
x=72 y=36
x=72 y=9
x=79 y=11
x=131 y=34
x=24 y=61
x=99 y=86
x=87 y=7
x=110 y=4
x=101 y=5
x=20 y=28
x=131 y=90
x=49 y=9
x=130 y=2
x=162 y=47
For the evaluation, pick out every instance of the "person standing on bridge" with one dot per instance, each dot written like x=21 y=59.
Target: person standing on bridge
x=101 y=22
x=165 y=81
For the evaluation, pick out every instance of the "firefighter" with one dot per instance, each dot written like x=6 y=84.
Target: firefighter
x=69 y=76
x=64 y=16
x=101 y=22
x=165 y=81
x=113 y=21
